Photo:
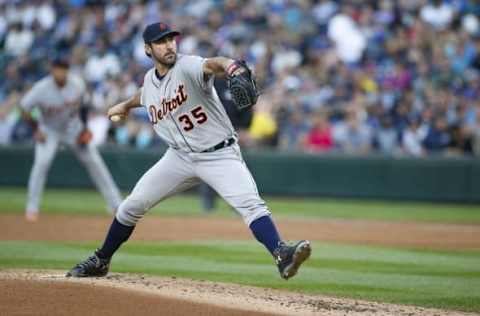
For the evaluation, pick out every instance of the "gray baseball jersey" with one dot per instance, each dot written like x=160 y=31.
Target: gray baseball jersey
x=58 y=105
x=187 y=118
x=186 y=112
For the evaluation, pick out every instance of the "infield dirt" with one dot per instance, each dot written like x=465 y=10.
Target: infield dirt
x=403 y=234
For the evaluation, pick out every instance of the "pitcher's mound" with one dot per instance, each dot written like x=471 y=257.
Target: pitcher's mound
x=40 y=292
x=34 y=297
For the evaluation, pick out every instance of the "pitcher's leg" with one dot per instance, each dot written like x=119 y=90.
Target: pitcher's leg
x=231 y=178
x=100 y=175
x=169 y=175
x=44 y=154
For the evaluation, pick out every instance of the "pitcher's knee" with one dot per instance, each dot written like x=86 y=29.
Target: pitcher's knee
x=253 y=211
x=131 y=211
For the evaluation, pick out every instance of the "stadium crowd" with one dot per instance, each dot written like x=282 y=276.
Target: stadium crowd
x=393 y=77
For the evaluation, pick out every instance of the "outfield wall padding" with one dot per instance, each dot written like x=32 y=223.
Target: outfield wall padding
x=429 y=179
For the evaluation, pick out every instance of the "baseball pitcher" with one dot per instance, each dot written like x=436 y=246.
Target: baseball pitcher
x=62 y=121
x=186 y=113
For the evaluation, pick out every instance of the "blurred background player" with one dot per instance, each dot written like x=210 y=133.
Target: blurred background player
x=62 y=120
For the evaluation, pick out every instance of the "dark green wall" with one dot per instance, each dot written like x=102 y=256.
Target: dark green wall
x=435 y=179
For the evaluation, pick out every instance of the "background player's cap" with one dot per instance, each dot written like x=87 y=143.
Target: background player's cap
x=60 y=61
x=156 y=31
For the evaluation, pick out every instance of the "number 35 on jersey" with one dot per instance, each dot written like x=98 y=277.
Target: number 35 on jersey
x=188 y=120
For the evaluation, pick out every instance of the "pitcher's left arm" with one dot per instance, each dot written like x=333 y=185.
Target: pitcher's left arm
x=241 y=83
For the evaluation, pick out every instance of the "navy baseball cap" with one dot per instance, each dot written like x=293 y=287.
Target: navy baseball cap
x=60 y=61
x=156 y=31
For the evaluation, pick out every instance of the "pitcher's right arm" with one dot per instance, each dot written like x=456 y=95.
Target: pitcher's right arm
x=121 y=109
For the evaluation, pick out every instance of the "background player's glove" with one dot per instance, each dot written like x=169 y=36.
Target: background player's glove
x=85 y=137
x=242 y=85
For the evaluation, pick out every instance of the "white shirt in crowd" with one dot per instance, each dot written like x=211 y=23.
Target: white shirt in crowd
x=412 y=140
x=439 y=17
x=99 y=67
x=18 y=43
x=349 y=40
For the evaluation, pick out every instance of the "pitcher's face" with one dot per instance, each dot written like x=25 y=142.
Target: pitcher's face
x=164 y=50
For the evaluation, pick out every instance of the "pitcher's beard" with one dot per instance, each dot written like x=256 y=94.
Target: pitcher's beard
x=167 y=62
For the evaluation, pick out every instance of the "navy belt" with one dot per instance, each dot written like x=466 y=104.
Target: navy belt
x=227 y=142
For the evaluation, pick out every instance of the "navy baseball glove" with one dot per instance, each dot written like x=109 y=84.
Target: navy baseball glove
x=242 y=85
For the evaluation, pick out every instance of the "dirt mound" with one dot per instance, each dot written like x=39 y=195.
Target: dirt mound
x=94 y=228
x=22 y=297
x=50 y=293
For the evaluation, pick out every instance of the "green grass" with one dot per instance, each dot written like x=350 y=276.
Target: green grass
x=90 y=202
x=439 y=279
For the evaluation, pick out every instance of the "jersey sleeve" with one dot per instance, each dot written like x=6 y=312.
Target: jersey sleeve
x=192 y=67
x=32 y=98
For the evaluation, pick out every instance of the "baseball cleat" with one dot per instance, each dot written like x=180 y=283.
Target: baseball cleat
x=92 y=267
x=290 y=257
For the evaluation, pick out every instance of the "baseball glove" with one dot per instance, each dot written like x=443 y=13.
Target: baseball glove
x=242 y=85
x=84 y=138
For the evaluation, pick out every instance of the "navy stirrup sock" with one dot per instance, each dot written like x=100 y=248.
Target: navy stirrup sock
x=265 y=232
x=117 y=235
x=262 y=228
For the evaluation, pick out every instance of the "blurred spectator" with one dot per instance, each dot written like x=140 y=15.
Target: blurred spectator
x=347 y=37
x=386 y=137
x=319 y=138
x=437 y=137
x=45 y=15
x=412 y=138
x=353 y=136
x=101 y=63
x=410 y=70
x=293 y=133
x=263 y=127
x=438 y=13
x=18 y=41
x=3 y=21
